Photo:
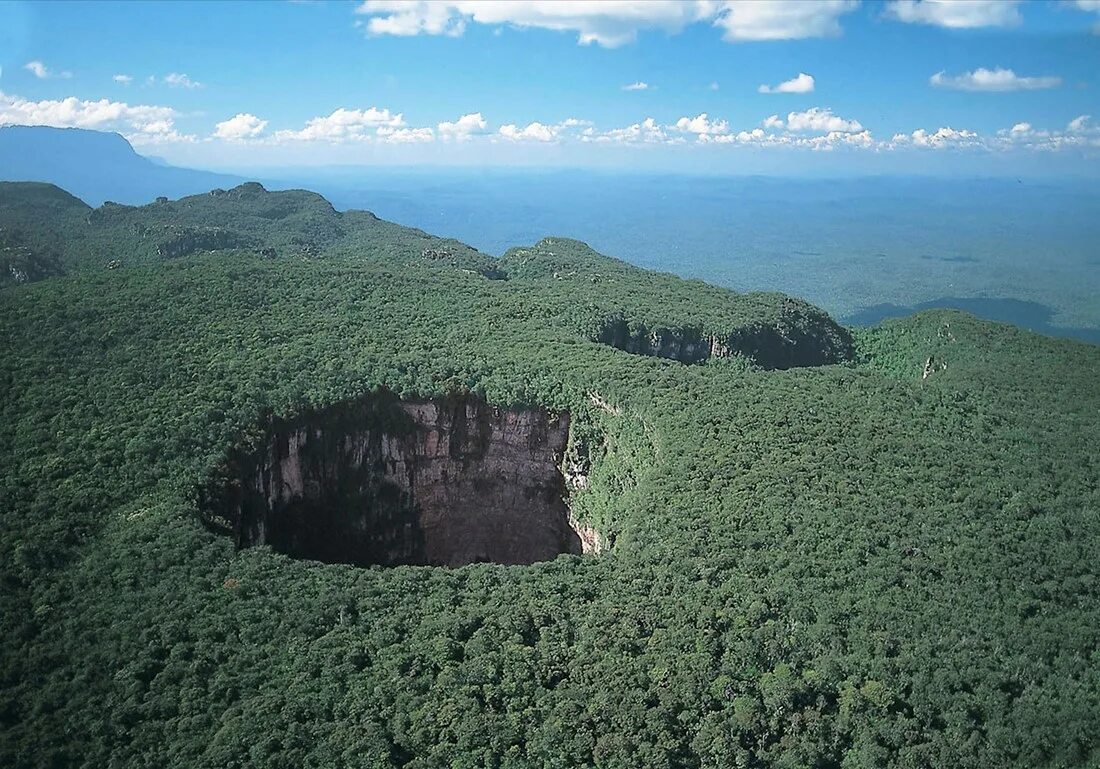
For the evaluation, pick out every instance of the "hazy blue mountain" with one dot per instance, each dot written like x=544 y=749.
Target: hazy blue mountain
x=96 y=166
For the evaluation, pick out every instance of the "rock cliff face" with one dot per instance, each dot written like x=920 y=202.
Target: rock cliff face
x=800 y=338
x=189 y=240
x=384 y=481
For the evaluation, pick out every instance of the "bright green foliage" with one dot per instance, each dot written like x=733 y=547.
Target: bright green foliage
x=833 y=566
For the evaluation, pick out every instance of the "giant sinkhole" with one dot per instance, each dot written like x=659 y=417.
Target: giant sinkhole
x=386 y=481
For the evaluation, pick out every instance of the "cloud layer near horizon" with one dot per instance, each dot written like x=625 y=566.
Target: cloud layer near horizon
x=814 y=128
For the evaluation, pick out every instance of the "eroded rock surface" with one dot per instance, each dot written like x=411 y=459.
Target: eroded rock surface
x=384 y=481
x=800 y=337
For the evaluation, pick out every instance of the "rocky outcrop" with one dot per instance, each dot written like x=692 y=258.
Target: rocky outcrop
x=797 y=338
x=387 y=481
x=22 y=262
x=687 y=345
x=189 y=240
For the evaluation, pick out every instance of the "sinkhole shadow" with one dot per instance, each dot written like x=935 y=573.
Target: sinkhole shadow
x=1019 y=312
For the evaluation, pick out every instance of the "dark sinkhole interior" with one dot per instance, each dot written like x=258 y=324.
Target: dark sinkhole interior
x=385 y=481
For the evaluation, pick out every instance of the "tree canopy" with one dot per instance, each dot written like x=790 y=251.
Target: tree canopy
x=880 y=555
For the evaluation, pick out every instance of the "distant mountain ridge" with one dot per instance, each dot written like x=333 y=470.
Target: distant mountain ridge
x=96 y=166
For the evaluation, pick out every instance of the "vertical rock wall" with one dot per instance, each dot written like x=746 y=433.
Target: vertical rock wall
x=385 y=481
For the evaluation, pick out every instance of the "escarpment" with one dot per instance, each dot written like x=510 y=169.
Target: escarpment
x=665 y=316
x=797 y=339
x=385 y=481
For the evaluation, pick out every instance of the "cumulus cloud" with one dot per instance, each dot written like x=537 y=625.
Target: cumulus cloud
x=181 y=80
x=42 y=72
x=709 y=131
x=140 y=123
x=240 y=127
x=819 y=119
x=463 y=128
x=826 y=142
x=344 y=125
x=999 y=79
x=124 y=79
x=609 y=23
x=646 y=132
x=539 y=132
x=943 y=138
x=701 y=125
x=803 y=83
x=1079 y=134
x=782 y=19
x=393 y=135
x=956 y=14
x=638 y=86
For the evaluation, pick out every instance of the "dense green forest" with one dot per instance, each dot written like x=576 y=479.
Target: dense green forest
x=829 y=549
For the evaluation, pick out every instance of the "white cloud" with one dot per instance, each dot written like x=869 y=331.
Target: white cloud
x=826 y=142
x=181 y=80
x=75 y=113
x=42 y=72
x=782 y=19
x=609 y=23
x=944 y=138
x=638 y=86
x=141 y=123
x=240 y=127
x=818 y=119
x=344 y=125
x=412 y=18
x=701 y=125
x=539 y=132
x=802 y=84
x=999 y=79
x=1080 y=124
x=772 y=121
x=463 y=128
x=1079 y=134
x=124 y=79
x=646 y=132
x=403 y=135
x=956 y=14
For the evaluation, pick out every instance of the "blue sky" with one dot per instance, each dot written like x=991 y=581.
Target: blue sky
x=940 y=86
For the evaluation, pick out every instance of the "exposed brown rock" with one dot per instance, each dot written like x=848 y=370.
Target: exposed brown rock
x=385 y=481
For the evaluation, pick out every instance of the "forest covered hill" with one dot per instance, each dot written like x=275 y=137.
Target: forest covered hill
x=801 y=546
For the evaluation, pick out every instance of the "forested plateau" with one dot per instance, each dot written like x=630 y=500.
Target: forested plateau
x=296 y=488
